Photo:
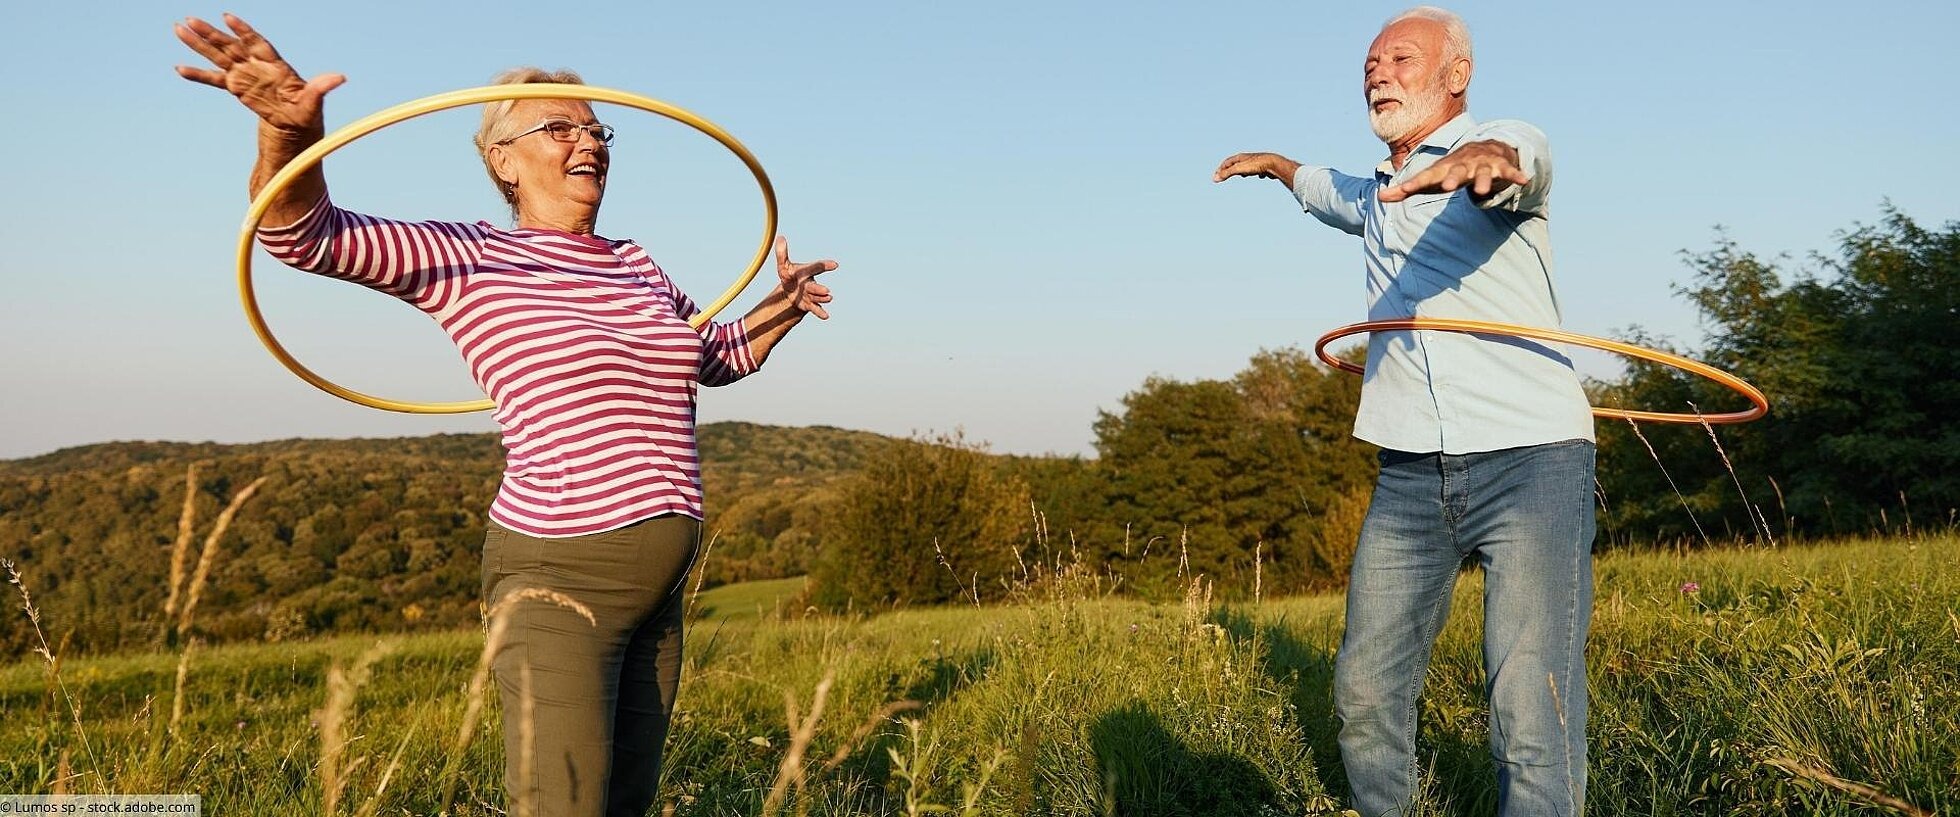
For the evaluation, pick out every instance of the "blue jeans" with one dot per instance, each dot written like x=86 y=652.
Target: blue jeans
x=1526 y=515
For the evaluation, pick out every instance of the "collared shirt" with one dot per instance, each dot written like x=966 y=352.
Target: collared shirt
x=1445 y=255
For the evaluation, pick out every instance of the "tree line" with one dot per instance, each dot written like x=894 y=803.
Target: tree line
x=1251 y=481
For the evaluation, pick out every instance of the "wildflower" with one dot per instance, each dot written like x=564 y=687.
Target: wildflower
x=1690 y=588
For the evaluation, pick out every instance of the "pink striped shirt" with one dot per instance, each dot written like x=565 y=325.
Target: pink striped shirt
x=581 y=341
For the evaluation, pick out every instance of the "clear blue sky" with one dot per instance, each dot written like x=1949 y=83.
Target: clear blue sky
x=1018 y=192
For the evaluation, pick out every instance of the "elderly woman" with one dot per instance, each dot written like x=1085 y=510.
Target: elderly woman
x=584 y=345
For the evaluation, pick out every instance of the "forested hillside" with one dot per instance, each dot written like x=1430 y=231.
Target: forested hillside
x=346 y=534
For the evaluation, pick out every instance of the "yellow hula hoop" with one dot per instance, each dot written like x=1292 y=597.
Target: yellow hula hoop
x=312 y=156
x=1759 y=404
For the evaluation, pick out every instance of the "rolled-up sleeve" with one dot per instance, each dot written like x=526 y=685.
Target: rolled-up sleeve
x=1339 y=201
x=725 y=356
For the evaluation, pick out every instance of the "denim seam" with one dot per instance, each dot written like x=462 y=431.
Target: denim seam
x=1571 y=631
x=1451 y=519
x=1463 y=513
x=1431 y=629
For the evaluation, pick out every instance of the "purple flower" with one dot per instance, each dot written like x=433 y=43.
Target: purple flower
x=1690 y=588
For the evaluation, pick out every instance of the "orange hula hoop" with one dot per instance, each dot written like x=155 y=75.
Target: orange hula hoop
x=1759 y=403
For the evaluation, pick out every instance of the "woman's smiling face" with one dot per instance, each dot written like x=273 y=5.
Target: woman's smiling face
x=552 y=175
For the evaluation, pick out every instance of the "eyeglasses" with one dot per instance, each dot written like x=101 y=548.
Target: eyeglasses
x=562 y=130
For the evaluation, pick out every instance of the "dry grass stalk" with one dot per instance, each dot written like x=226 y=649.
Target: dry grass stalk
x=47 y=655
x=210 y=552
x=499 y=628
x=1861 y=791
x=1558 y=706
x=700 y=576
x=333 y=718
x=944 y=562
x=185 y=522
x=1197 y=602
x=871 y=724
x=177 y=697
x=1758 y=520
x=62 y=774
x=790 y=773
x=1782 y=508
x=1040 y=538
x=1670 y=481
x=1258 y=572
x=368 y=808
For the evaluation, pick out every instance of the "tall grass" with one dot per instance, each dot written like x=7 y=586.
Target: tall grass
x=1792 y=680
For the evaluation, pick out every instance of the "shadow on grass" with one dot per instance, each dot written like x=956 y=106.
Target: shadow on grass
x=1457 y=769
x=1306 y=672
x=1151 y=773
x=944 y=676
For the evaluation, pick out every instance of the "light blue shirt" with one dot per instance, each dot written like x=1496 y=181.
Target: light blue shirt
x=1444 y=255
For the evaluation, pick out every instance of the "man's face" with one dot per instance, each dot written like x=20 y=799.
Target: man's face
x=1406 y=80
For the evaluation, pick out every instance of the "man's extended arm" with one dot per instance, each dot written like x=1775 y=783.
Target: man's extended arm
x=1331 y=197
x=1509 y=167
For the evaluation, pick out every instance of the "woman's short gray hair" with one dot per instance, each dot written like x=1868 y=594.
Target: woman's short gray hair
x=1456 y=35
x=497 y=125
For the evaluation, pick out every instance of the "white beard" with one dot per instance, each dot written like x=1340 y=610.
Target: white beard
x=1412 y=113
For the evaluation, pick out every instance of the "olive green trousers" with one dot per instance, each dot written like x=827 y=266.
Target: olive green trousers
x=587 y=702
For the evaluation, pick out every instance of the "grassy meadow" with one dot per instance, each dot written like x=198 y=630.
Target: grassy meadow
x=1793 y=680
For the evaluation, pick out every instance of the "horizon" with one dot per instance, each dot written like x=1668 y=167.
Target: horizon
x=1018 y=195
x=489 y=433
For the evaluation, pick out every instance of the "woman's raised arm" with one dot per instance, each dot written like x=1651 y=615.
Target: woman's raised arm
x=289 y=107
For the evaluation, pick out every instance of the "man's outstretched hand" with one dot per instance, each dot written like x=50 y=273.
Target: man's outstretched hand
x=1262 y=165
x=1488 y=167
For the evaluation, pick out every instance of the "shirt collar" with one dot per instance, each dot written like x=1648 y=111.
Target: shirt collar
x=1438 y=141
x=1446 y=136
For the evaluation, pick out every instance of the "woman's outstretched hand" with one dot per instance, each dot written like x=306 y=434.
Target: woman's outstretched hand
x=248 y=67
x=799 y=281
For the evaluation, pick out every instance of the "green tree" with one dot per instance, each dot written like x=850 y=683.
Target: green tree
x=1857 y=359
x=1232 y=478
x=925 y=521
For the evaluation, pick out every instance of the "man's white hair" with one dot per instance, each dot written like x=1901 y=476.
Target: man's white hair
x=1456 y=35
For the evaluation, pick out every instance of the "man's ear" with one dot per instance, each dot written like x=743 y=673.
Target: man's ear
x=1459 y=79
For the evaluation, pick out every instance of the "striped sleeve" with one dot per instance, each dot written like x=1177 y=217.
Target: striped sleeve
x=419 y=262
x=725 y=356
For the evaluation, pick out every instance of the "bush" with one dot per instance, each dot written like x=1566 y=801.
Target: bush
x=926 y=521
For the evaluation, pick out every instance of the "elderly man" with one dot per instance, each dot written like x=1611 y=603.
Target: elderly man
x=1487 y=448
